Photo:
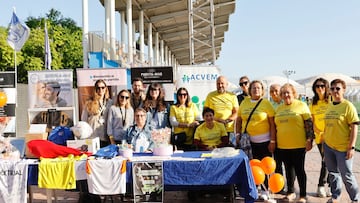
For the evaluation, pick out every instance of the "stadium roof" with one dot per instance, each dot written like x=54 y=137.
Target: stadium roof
x=171 y=19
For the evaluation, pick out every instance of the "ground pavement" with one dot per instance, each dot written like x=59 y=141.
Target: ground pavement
x=312 y=167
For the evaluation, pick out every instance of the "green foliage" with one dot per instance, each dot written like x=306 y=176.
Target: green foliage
x=65 y=44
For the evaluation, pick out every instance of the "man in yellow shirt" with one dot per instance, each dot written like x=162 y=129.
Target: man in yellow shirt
x=224 y=103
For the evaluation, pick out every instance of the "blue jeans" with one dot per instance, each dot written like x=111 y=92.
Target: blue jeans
x=340 y=170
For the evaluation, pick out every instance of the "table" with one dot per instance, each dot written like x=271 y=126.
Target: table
x=189 y=174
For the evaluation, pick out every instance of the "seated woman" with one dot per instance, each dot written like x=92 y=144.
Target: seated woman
x=139 y=135
x=210 y=134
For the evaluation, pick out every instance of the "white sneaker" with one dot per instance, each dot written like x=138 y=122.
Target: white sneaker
x=328 y=191
x=321 y=191
x=264 y=195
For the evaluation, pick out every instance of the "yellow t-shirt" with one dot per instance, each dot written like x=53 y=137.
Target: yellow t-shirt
x=337 y=121
x=289 y=120
x=223 y=105
x=259 y=123
x=210 y=137
x=318 y=113
x=185 y=115
x=58 y=173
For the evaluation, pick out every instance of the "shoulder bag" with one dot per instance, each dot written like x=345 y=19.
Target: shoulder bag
x=245 y=144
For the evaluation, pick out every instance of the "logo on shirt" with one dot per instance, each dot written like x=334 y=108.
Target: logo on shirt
x=10 y=172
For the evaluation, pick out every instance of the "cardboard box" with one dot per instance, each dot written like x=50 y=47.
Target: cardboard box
x=87 y=145
x=33 y=136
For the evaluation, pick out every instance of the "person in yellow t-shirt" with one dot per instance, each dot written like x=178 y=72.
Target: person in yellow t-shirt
x=341 y=127
x=224 y=104
x=318 y=106
x=184 y=117
x=210 y=134
x=294 y=138
x=261 y=127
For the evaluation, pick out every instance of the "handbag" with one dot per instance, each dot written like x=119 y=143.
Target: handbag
x=178 y=139
x=245 y=144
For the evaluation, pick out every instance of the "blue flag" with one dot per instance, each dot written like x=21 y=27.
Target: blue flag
x=18 y=33
x=47 y=50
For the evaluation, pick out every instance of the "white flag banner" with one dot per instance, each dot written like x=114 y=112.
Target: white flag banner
x=18 y=33
x=198 y=80
x=47 y=50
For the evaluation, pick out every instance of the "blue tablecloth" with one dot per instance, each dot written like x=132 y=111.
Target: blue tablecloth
x=199 y=174
x=179 y=175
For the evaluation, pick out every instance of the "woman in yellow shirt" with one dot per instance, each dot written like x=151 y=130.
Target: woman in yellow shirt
x=341 y=128
x=318 y=106
x=210 y=134
x=183 y=117
x=294 y=138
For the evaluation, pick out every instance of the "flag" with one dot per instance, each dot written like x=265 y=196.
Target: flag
x=47 y=50
x=18 y=33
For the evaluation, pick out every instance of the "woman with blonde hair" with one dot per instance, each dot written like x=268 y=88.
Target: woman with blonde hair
x=294 y=136
x=120 y=118
x=95 y=112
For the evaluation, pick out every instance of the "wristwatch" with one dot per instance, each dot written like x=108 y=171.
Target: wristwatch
x=353 y=147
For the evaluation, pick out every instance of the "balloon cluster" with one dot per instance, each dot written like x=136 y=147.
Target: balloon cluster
x=267 y=166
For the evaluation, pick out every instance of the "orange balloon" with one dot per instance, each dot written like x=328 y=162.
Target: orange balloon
x=3 y=99
x=258 y=174
x=268 y=164
x=255 y=162
x=276 y=182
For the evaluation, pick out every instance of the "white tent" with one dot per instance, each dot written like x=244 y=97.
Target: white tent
x=351 y=83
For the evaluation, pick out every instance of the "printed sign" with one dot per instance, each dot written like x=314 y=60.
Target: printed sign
x=148 y=184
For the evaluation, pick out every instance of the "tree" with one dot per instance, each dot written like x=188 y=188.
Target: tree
x=65 y=44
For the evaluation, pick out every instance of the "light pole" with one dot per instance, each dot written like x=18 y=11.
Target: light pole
x=287 y=73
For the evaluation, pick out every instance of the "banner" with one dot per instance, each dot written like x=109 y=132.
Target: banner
x=18 y=33
x=162 y=75
x=51 y=98
x=7 y=112
x=199 y=81
x=51 y=88
x=115 y=79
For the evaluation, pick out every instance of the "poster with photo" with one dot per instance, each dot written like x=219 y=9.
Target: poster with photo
x=148 y=184
x=115 y=79
x=162 y=75
x=50 y=88
x=7 y=112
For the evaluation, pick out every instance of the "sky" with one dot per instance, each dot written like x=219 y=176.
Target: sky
x=264 y=38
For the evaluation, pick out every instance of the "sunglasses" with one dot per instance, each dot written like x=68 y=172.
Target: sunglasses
x=103 y=87
x=320 y=86
x=335 y=88
x=155 y=89
x=124 y=97
x=243 y=83
x=182 y=94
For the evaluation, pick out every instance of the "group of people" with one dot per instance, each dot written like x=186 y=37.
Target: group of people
x=283 y=127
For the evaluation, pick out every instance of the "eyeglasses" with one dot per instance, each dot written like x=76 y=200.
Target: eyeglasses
x=243 y=83
x=103 y=87
x=154 y=89
x=124 y=97
x=140 y=115
x=182 y=94
x=320 y=86
x=335 y=88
